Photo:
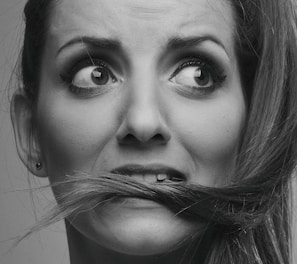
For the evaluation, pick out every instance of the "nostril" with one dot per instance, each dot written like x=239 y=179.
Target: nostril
x=131 y=139
x=158 y=138
x=143 y=131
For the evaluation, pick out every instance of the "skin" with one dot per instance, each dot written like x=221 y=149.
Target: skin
x=196 y=134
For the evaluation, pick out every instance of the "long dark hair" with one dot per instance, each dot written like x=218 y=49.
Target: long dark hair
x=252 y=214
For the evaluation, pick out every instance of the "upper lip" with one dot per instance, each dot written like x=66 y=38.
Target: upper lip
x=130 y=169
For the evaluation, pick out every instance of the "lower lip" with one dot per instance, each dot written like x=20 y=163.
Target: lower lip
x=138 y=203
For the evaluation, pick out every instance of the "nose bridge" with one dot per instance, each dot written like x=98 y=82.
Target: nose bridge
x=144 y=89
x=143 y=113
x=143 y=119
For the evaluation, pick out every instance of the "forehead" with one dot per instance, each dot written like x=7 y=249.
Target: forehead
x=141 y=24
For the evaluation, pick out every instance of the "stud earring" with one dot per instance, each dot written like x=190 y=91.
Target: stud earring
x=38 y=165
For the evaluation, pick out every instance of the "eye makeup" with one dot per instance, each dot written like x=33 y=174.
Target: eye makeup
x=194 y=74
x=198 y=75
x=89 y=77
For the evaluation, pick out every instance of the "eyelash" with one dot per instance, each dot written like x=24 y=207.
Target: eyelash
x=214 y=69
x=69 y=75
x=216 y=72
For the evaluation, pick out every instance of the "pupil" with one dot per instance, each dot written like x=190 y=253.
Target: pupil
x=201 y=77
x=100 y=76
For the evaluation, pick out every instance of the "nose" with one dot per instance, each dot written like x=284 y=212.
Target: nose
x=143 y=121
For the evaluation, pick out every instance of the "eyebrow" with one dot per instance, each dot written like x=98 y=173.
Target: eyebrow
x=181 y=43
x=174 y=43
x=101 y=43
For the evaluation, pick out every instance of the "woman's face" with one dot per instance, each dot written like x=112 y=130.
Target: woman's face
x=144 y=88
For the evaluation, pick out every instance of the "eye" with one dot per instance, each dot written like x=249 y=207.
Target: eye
x=89 y=77
x=199 y=77
x=193 y=76
x=93 y=76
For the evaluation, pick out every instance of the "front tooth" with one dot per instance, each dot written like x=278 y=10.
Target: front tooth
x=137 y=177
x=151 y=178
x=161 y=177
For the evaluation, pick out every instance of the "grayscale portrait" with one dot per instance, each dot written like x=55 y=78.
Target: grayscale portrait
x=165 y=130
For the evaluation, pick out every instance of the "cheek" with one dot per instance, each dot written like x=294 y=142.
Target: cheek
x=216 y=133
x=211 y=132
x=71 y=133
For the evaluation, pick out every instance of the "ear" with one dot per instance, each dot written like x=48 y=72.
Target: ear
x=25 y=133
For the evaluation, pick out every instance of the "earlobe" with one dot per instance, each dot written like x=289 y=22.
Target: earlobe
x=25 y=133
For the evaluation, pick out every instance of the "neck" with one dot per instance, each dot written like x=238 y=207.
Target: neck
x=82 y=250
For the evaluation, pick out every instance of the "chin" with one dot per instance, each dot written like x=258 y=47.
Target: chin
x=136 y=227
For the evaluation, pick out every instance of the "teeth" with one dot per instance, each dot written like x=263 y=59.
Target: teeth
x=151 y=178
x=138 y=177
x=162 y=177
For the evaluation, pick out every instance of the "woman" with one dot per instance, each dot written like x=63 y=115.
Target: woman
x=167 y=129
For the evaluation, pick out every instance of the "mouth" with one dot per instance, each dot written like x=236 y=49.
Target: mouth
x=151 y=173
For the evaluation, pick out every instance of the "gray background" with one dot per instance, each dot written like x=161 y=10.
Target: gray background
x=18 y=208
